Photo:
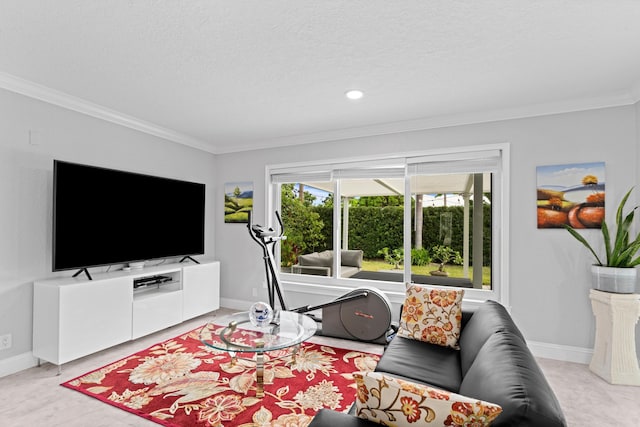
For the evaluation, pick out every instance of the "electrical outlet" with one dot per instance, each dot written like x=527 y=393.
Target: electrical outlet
x=5 y=342
x=254 y=292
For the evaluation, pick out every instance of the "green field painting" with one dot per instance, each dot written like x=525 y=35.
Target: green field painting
x=238 y=201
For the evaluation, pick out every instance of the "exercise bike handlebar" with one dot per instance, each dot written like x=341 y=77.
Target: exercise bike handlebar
x=266 y=234
x=281 y=224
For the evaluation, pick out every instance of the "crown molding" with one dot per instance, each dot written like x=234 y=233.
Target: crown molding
x=64 y=100
x=460 y=119
x=79 y=105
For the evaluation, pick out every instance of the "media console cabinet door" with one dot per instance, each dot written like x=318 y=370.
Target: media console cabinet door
x=81 y=318
x=201 y=287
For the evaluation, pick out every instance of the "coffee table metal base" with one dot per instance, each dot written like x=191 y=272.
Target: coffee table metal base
x=260 y=366
x=236 y=334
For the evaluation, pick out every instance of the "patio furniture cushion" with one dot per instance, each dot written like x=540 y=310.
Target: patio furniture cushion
x=316 y=259
x=351 y=257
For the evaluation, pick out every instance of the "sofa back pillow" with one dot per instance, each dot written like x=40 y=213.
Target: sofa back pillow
x=432 y=315
x=394 y=402
x=506 y=373
x=489 y=318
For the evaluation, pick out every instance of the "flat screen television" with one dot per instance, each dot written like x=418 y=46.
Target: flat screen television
x=104 y=216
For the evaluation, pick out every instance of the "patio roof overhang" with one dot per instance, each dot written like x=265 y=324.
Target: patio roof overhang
x=420 y=184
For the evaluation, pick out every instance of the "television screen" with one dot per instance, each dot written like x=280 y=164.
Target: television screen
x=104 y=216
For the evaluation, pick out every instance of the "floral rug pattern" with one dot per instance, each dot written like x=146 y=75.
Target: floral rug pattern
x=182 y=382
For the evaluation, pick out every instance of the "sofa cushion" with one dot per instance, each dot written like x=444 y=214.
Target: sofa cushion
x=422 y=362
x=347 y=271
x=489 y=318
x=506 y=373
x=351 y=257
x=391 y=401
x=433 y=315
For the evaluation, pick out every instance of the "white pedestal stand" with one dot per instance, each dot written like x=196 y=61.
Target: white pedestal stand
x=614 y=354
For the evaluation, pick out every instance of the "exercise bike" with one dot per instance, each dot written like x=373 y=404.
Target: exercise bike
x=363 y=314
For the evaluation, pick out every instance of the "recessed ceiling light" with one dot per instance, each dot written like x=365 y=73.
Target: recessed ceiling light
x=354 y=94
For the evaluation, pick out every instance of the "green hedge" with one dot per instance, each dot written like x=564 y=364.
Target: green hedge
x=374 y=228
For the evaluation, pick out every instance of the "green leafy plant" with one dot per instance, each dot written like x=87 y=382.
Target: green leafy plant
x=444 y=255
x=301 y=225
x=619 y=252
x=420 y=256
x=394 y=257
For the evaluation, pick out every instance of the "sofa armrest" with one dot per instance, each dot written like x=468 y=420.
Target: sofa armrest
x=329 y=418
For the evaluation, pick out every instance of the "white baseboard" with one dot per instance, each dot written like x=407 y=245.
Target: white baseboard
x=539 y=349
x=235 y=304
x=17 y=363
x=566 y=353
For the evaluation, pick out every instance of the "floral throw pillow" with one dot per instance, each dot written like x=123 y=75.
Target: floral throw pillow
x=391 y=401
x=433 y=315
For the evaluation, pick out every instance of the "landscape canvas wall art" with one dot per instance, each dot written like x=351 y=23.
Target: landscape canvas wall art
x=238 y=201
x=571 y=194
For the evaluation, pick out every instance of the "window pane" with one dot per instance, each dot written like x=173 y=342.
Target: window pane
x=307 y=215
x=451 y=242
x=370 y=244
x=372 y=229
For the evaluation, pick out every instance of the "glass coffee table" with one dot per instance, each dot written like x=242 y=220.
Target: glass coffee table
x=236 y=334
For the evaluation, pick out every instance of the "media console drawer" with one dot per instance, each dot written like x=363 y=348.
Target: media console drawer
x=158 y=311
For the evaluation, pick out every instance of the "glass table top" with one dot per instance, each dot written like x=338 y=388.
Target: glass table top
x=235 y=333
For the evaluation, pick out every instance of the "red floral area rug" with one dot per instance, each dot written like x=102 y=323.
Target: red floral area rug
x=182 y=382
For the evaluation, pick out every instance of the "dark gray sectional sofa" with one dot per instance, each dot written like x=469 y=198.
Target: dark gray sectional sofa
x=493 y=364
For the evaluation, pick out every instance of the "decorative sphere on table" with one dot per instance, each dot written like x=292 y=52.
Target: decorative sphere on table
x=260 y=314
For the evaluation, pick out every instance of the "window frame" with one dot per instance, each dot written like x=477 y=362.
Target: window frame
x=335 y=286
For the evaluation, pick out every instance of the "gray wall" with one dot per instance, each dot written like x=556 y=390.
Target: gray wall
x=26 y=192
x=549 y=277
x=549 y=274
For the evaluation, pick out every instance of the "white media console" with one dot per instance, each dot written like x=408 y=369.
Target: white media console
x=74 y=317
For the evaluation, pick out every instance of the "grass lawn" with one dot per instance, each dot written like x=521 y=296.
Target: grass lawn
x=453 y=270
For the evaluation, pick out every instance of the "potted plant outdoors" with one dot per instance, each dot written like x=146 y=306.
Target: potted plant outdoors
x=443 y=255
x=395 y=257
x=618 y=273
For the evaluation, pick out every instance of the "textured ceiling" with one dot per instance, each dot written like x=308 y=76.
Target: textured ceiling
x=234 y=75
